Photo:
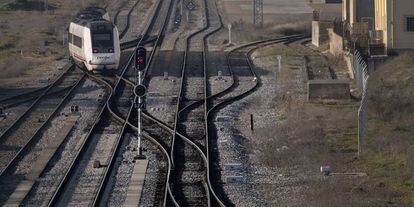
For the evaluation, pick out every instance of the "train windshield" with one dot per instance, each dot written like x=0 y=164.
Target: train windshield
x=102 y=42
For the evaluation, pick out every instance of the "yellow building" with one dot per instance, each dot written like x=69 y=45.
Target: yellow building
x=394 y=22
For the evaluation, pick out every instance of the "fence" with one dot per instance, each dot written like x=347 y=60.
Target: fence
x=360 y=69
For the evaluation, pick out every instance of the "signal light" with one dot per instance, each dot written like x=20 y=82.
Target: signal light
x=141 y=58
x=110 y=50
x=95 y=50
x=140 y=90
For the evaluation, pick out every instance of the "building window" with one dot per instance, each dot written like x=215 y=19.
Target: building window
x=410 y=23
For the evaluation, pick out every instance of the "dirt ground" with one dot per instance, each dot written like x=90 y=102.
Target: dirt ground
x=280 y=18
x=274 y=11
x=23 y=31
x=294 y=138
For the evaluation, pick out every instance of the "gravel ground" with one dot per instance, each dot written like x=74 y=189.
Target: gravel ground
x=237 y=144
x=84 y=184
x=12 y=115
x=33 y=121
x=139 y=18
x=124 y=169
x=155 y=177
x=87 y=98
x=14 y=112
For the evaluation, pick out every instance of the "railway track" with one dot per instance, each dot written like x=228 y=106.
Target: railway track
x=128 y=19
x=19 y=139
x=18 y=99
x=242 y=71
x=188 y=140
x=69 y=185
x=188 y=179
x=27 y=119
x=48 y=91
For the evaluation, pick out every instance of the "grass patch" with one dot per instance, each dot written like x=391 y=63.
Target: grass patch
x=4 y=8
x=388 y=156
x=7 y=49
x=31 y=6
x=282 y=50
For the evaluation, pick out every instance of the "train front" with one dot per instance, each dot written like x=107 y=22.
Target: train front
x=105 y=50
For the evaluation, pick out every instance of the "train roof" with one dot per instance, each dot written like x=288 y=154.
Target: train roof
x=90 y=14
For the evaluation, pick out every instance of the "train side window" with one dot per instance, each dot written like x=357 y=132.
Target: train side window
x=77 y=41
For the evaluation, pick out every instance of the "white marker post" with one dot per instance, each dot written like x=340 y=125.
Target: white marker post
x=229 y=27
x=279 y=63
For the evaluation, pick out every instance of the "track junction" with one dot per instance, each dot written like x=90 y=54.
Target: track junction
x=180 y=141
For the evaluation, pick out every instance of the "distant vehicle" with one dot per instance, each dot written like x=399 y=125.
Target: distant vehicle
x=94 y=40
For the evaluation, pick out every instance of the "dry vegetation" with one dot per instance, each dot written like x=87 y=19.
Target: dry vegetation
x=308 y=135
x=24 y=26
x=277 y=23
x=389 y=154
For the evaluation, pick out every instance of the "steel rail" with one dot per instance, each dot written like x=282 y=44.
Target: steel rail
x=34 y=98
x=22 y=95
x=34 y=137
x=123 y=33
x=145 y=81
x=107 y=107
x=108 y=172
x=180 y=110
x=31 y=107
x=251 y=68
x=219 y=202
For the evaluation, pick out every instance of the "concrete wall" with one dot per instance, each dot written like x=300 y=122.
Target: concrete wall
x=335 y=43
x=320 y=32
x=328 y=89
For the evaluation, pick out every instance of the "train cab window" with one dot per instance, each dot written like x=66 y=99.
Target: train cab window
x=102 y=42
x=77 y=41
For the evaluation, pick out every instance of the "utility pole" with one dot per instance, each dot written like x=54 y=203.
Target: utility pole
x=258 y=12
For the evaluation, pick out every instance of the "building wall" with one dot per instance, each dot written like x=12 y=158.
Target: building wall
x=356 y=10
x=364 y=10
x=381 y=18
x=336 y=46
x=320 y=32
x=402 y=38
x=390 y=17
x=345 y=15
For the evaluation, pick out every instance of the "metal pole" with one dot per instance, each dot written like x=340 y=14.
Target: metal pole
x=139 y=117
x=251 y=122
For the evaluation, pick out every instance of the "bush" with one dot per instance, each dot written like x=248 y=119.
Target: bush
x=390 y=89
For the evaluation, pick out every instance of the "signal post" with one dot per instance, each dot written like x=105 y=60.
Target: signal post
x=140 y=91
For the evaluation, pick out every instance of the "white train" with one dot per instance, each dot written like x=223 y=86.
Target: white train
x=94 y=40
